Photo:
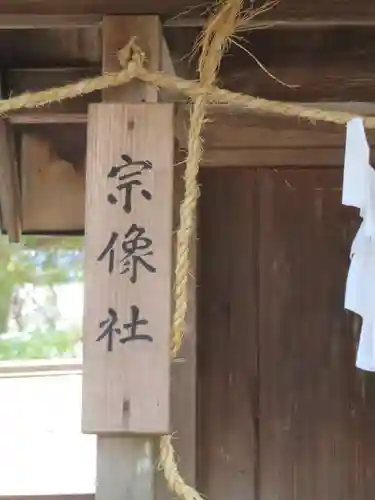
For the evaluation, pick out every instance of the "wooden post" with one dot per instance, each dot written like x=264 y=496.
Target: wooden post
x=125 y=464
x=10 y=194
x=116 y=33
x=129 y=195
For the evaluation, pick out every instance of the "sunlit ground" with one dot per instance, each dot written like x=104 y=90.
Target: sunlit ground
x=42 y=450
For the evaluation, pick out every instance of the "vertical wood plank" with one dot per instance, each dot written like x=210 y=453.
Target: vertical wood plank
x=10 y=194
x=126 y=386
x=227 y=339
x=316 y=410
x=116 y=33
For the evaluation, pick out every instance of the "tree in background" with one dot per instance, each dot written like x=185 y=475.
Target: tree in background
x=38 y=264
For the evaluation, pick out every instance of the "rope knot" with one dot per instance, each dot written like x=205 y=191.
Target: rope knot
x=131 y=56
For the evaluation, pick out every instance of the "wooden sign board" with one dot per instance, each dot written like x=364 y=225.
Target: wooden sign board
x=128 y=269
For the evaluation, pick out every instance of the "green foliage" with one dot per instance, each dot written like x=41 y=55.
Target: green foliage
x=38 y=261
x=40 y=345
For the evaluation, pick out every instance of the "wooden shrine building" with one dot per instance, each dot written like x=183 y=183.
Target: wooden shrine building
x=263 y=400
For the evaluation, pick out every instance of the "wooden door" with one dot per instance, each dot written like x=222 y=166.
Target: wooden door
x=284 y=414
x=227 y=352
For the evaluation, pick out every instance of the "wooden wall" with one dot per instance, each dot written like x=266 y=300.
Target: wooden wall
x=227 y=340
x=283 y=413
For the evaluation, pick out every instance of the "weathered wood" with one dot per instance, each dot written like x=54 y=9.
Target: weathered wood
x=10 y=195
x=31 y=118
x=67 y=141
x=124 y=469
x=322 y=10
x=53 y=191
x=256 y=23
x=50 y=47
x=126 y=386
x=167 y=65
x=226 y=133
x=293 y=9
x=316 y=65
x=117 y=32
x=35 y=22
x=133 y=449
x=183 y=370
x=316 y=409
x=94 y=6
x=228 y=127
x=279 y=358
x=274 y=157
x=227 y=341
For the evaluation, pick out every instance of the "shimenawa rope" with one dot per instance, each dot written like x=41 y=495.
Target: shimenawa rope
x=191 y=89
x=215 y=38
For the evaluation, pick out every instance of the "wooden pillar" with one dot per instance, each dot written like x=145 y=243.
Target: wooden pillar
x=126 y=463
x=128 y=272
x=10 y=194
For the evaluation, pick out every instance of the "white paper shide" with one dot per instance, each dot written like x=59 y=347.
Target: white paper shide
x=359 y=191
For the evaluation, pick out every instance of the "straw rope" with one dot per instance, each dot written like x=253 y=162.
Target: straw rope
x=215 y=39
x=189 y=88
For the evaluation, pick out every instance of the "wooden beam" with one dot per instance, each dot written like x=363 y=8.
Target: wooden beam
x=274 y=158
x=317 y=65
x=243 y=134
x=226 y=128
x=291 y=10
x=33 y=368
x=69 y=7
x=18 y=81
x=134 y=455
x=327 y=65
x=10 y=194
x=290 y=24
x=35 y=22
x=33 y=118
x=38 y=48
